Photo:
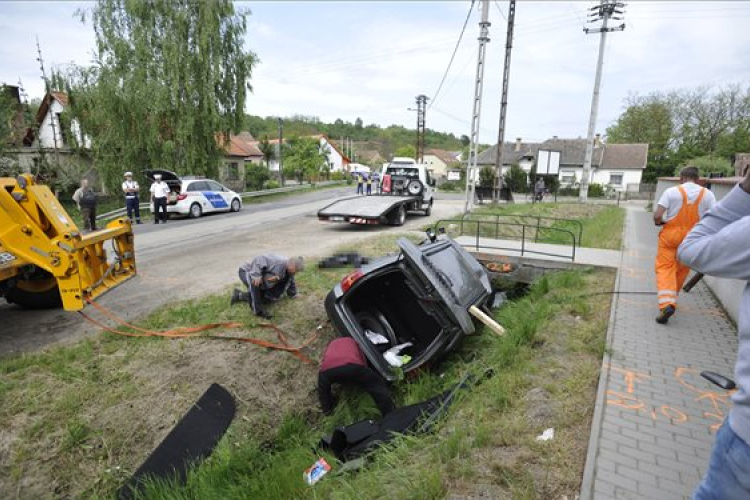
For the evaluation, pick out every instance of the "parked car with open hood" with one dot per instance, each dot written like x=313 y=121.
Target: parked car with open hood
x=420 y=296
x=194 y=196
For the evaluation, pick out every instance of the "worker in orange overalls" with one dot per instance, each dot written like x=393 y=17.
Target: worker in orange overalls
x=679 y=209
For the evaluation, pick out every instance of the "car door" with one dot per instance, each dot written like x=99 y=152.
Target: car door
x=457 y=276
x=197 y=193
x=222 y=191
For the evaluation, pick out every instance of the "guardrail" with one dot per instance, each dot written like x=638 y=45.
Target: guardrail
x=539 y=219
x=247 y=194
x=526 y=230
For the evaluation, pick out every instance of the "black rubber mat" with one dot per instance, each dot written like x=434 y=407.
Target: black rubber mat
x=192 y=440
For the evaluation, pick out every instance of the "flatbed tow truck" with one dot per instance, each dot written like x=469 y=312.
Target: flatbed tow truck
x=406 y=187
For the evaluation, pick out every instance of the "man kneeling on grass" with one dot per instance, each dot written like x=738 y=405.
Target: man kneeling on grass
x=344 y=363
x=267 y=277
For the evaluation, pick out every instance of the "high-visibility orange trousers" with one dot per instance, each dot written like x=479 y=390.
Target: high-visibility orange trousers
x=670 y=272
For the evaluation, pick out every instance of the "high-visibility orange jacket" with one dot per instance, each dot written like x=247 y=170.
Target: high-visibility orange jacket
x=670 y=273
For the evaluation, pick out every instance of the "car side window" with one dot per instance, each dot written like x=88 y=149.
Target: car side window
x=215 y=186
x=199 y=186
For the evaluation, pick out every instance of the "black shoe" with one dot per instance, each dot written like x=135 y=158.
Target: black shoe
x=156 y=222
x=138 y=222
x=235 y=297
x=665 y=314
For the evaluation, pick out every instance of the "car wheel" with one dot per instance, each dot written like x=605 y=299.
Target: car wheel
x=375 y=321
x=428 y=210
x=195 y=211
x=236 y=205
x=398 y=216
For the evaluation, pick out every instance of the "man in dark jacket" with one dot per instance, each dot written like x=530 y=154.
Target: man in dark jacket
x=85 y=198
x=344 y=363
x=267 y=277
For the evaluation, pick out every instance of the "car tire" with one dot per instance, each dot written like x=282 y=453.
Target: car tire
x=428 y=210
x=414 y=187
x=398 y=216
x=236 y=205
x=195 y=211
x=375 y=321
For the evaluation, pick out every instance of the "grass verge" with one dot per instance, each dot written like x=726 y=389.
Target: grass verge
x=602 y=225
x=78 y=420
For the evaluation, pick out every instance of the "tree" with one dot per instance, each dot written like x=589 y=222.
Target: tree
x=406 y=151
x=465 y=141
x=268 y=150
x=709 y=165
x=304 y=159
x=358 y=123
x=168 y=84
x=516 y=179
x=487 y=176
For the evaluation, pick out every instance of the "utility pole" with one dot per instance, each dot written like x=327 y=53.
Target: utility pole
x=606 y=10
x=48 y=90
x=471 y=166
x=281 y=150
x=504 y=104
x=421 y=111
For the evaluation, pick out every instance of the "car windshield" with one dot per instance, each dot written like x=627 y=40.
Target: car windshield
x=400 y=171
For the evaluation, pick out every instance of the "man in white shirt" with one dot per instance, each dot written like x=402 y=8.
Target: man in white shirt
x=131 y=189
x=678 y=211
x=159 y=192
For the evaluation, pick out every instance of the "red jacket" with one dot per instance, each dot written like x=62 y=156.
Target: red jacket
x=340 y=352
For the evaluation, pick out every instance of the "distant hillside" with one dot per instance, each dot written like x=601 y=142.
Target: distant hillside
x=368 y=138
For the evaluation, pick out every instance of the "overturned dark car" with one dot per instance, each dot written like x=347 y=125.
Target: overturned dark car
x=419 y=297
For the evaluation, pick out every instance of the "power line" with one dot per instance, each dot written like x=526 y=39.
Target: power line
x=453 y=56
x=500 y=10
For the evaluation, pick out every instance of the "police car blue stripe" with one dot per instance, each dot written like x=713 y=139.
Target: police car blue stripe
x=215 y=199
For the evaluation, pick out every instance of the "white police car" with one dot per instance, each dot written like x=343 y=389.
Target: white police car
x=195 y=196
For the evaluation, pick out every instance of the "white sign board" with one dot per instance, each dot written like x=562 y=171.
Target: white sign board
x=548 y=162
x=454 y=175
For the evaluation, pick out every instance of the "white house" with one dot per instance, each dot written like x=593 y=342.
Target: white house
x=52 y=130
x=337 y=160
x=617 y=165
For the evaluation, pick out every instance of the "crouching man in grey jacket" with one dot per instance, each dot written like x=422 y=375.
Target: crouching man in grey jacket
x=267 y=277
x=719 y=245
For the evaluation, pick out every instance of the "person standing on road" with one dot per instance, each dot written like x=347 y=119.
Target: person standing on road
x=539 y=188
x=159 y=193
x=267 y=277
x=369 y=184
x=131 y=189
x=360 y=184
x=719 y=245
x=344 y=363
x=679 y=209
x=85 y=198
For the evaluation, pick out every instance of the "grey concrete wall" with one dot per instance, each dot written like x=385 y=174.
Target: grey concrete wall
x=729 y=292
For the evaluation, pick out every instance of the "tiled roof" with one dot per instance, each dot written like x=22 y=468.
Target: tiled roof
x=242 y=145
x=625 y=156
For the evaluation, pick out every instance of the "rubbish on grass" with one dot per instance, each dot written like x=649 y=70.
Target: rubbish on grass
x=343 y=260
x=375 y=337
x=316 y=472
x=393 y=357
x=547 y=435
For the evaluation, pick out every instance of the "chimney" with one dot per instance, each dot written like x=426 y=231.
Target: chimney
x=554 y=137
x=518 y=144
x=597 y=140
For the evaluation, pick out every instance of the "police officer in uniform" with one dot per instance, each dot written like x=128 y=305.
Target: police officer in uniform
x=131 y=189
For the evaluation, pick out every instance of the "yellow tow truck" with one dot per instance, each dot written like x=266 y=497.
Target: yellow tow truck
x=45 y=260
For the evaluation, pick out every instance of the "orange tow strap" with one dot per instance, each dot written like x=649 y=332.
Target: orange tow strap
x=188 y=332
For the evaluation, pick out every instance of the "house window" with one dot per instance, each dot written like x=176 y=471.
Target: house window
x=233 y=171
x=615 y=178
x=567 y=177
x=63 y=135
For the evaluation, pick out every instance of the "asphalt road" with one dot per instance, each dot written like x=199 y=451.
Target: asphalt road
x=192 y=257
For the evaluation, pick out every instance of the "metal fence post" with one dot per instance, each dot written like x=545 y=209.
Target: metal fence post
x=536 y=234
x=523 y=238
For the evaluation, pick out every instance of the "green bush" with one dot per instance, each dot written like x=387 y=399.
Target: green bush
x=272 y=184
x=338 y=176
x=709 y=165
x=516 y=179
x=256 y=176
x=596 y=190
x=487 y=177
x=452 y=186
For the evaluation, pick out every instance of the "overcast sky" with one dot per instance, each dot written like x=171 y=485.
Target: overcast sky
x=370 y=59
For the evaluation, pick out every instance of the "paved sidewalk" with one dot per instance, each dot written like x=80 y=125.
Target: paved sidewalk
x=655 y=417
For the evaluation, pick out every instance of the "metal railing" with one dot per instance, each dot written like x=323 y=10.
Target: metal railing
x=538 y=219
x=248 y=194
x=494 y=227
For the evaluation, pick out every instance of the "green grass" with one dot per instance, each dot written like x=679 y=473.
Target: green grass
x=597 y=226
x=278 y=196
x=86 y=415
